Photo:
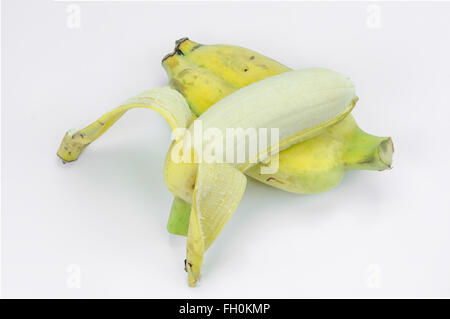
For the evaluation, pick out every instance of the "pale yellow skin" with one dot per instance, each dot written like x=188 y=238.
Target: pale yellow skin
x=205 y=74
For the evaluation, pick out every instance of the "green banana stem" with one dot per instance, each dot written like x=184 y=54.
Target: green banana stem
x=368 y=152
x=178 y=223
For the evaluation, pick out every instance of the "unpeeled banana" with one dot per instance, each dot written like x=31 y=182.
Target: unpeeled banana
x=303 y=105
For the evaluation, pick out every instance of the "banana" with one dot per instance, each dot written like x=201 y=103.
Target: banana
x=306 y=102
x=318 y=139
x=205 y=74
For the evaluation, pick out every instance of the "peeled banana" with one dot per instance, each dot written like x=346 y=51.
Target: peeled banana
x=205 y=74
x=308 y=108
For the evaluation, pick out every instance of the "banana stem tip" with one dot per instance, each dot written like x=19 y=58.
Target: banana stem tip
x=385 y=152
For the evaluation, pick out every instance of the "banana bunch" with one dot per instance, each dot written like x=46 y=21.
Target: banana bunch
x=205 y=74
x=313 y=139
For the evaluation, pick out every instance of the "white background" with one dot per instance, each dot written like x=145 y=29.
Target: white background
x=377 y=234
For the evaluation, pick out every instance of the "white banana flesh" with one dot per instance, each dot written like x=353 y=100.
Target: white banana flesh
x=298 y=103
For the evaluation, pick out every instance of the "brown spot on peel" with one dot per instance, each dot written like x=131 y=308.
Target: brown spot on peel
x=273 y=178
